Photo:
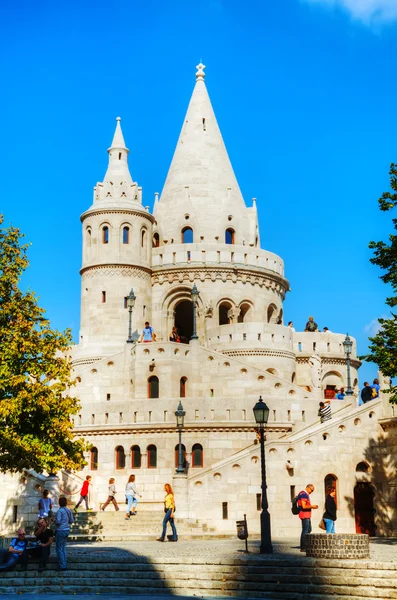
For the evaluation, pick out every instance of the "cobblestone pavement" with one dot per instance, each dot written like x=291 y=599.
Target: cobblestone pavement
x=382 y=549
x=110 y=597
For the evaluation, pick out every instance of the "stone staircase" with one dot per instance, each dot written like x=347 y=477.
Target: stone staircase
x=251 y=576
x=111 y=526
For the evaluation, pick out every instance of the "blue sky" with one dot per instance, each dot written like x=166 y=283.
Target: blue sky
x=305 y=95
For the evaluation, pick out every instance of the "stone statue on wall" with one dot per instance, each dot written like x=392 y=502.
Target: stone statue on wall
x=316 y=369
x=209 y=310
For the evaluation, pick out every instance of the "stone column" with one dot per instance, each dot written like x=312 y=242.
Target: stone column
x=52 y=483
x=180 y=487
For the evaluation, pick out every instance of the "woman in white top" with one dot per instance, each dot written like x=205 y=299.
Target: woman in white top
x=131 y=496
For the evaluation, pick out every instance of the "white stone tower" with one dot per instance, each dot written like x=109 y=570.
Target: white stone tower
x=117 y=234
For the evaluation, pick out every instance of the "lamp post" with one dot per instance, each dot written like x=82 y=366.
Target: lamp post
x=130 y=303
x=180 y=417
x=261 y=414
x=194 y=294
x=347 y=347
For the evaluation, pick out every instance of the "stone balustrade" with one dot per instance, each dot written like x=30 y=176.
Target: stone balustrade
x=216 y=254
x=324 y=343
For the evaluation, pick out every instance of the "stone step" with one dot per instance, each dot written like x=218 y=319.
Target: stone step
x=253 y=576
x=141 y=537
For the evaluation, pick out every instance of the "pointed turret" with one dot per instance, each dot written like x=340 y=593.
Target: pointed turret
x=118 y=138
x=201 y=186
x=118 y=188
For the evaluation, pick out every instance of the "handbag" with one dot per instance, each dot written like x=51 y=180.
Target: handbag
x=322 y=524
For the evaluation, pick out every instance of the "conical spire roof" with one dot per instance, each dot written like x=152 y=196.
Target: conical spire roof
x=118 y=190
x=201 y=182
x=118 y=142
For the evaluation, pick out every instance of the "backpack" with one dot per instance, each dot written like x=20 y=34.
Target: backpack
x=295 y=508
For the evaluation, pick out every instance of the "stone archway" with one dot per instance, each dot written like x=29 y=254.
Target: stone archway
x=183 y=319
x=364 y=512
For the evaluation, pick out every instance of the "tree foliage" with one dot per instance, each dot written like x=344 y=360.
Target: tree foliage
x=36 y=431
x=383 y=346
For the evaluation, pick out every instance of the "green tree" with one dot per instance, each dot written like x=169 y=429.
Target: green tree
x=383 y=346
x=36 y=431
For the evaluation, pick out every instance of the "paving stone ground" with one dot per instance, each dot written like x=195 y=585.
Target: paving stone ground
x=382 y=549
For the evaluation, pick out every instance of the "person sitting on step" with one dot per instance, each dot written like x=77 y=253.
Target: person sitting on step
x=16 y=553
x=45 y=536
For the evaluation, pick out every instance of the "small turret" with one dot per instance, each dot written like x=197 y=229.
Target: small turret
x=117 y=245
x=118 y=187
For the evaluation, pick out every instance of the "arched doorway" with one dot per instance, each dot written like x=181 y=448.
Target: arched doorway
x=184 y=320
x=331 y=481
x=364 y=508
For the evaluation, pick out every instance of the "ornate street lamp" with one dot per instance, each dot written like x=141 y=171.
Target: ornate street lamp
x=180 y=418
x=195 y=295
x=130 y=304
x=347 y=347
x=261 y=414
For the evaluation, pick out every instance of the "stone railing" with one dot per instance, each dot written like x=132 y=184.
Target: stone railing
x=216 y=254
x=323 y=343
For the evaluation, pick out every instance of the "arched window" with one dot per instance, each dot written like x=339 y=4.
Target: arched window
x=183 y=455
x=143 y=238
x=197 y=455
x=94 y=459
x=156 y=240
x=120 y=457
x=187 y=235
x=153 y=387
x=151 y=457
x=229 y=236
x=330 y=480
x=105 y=234
x=182 y=387
x=244 y=313
x=89 y=235
x=362 y=467
x=271 y=314
x=136 y=457
x=223 y=313
x=126 y=235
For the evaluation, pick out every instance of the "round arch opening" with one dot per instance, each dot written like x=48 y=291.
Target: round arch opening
x=183 y=320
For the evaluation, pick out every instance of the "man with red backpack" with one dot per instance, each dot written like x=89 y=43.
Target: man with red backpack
x=305 y=513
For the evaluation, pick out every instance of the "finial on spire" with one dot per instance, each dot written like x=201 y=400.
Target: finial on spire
x=200 y=75
x=118 y=118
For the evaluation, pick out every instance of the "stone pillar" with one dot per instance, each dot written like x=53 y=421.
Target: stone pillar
x=180 y=487
x=52 y=483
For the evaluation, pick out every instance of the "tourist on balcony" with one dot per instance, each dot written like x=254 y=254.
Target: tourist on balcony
x=366 y=393
x=305 y=513
x=311 y=325
x=326 y=330
x=16 y=553
x=341 y=394
x=131 y=496
x=329 y=515
x=375 y=388
x=111 y=495
x=63 y=521
x=291 y=326
x=148 y=334
x=174 y=335
x=169 y=509
x=324 y=412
